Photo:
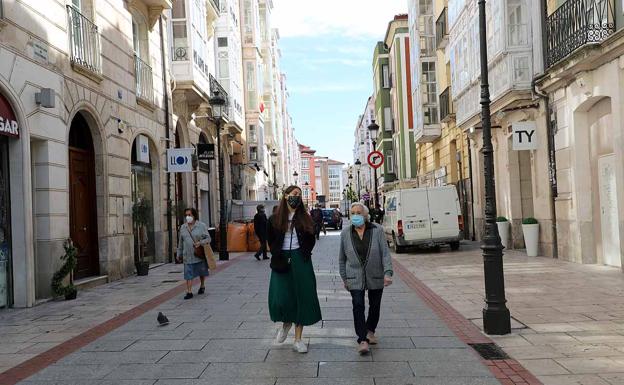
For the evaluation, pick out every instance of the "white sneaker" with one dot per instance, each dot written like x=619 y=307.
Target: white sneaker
x=300 y=347
x=282 y=334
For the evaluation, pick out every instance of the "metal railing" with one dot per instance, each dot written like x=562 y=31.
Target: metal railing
x=441 y=27
x=216 y=5
x=577 y=23
x=180 y=54
x=216 y=88
x=144 y=80
x=446 y=106
x=84 y=41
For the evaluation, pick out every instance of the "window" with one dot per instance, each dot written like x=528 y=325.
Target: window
x=222 y=42
x=386 y=76
x=334 y=173
x=178 y=10
x=305 y=164
x=428 y=81
x=518 y=27
x=387 y=118
x=306 y=177
x=253 y=136
x=306 y=193
x=253 y=153
x=430 y=115
x=522 y=70
x=224 y=69
x=389 y=160
x=252 y=102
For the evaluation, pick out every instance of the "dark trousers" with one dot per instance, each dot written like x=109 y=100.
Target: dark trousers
x=263 y=247
x=362 y=324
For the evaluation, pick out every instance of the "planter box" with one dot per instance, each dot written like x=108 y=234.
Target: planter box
x=531 y=238
x=503 y=232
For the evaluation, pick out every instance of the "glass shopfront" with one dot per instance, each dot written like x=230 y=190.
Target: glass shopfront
x=5 y=230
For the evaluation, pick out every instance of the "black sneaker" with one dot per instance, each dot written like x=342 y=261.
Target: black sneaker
x=265 y=258
x=201 y=290
x=257 y=256
x=188 y=296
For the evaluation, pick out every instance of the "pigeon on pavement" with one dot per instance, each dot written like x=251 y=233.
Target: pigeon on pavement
x=162 y=319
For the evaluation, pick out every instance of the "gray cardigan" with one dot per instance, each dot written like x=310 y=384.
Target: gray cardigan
x=378 y=264
x=185 y=243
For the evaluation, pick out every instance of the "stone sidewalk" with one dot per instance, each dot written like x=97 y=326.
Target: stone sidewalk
x=225 y=337
x=568 y=318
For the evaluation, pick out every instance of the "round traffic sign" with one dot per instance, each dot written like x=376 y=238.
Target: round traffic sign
x=375 y=159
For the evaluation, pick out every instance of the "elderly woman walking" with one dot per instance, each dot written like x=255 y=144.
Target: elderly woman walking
x=292 y=290
x=193 y=235
x=365 y=264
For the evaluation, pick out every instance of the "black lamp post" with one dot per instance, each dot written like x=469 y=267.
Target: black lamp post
x=295 y=175
x=357 y=166
x=273 y=156
x=496 y=317
x=350 y=185
x=374 y=129
x=307 y=188
x=217 y=102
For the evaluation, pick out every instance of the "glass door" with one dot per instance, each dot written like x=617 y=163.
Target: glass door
x=5 y=229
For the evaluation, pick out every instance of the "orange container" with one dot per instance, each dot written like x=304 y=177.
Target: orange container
x=237 y=237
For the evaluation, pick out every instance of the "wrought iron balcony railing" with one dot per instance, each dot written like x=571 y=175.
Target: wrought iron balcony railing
x=577 y=23
x=216 y=88
x=446 y=106
x=442 y=29
x=84 y=41
x=144 y=80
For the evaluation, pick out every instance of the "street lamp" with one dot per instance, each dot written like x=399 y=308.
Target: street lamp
x=217 y=102
x=374 y=128
x=274 y=155
x=307 y=189
x=295 y=175
x=357 y=165
x=350 y=183
x=496 y=317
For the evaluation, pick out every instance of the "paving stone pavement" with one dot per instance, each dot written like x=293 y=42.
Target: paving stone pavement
x=225 y=337
x=568 y=325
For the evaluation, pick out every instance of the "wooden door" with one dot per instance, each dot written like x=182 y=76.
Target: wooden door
x=83 y=212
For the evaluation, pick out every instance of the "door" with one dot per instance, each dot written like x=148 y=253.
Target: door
x=444 y=210
x=83 y=217
x=414 y=211
x=609 y=211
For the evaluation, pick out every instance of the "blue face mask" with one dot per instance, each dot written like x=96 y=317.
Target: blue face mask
x=357 y=220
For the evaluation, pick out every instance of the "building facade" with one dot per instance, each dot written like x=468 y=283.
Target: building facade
x=335 y=183
x=307 y=177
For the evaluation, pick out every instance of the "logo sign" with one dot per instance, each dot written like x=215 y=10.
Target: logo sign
x=142 y=149
x=205 y=151
x=366 y=196
x=180 y=159
x=375 y=159
x=524 y=136
x=8 y=121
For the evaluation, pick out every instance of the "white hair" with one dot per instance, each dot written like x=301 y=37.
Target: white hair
x=364 y=209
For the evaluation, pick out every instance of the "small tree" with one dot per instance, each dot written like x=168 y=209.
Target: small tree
x=69 y=264
x=141 y=214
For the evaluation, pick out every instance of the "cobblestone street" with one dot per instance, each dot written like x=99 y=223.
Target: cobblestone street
x=225 y=337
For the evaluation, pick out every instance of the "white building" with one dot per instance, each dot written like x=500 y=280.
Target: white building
x=336 y=184
x=362 y=147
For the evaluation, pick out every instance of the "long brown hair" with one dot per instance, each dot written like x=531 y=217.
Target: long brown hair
x=302 y=219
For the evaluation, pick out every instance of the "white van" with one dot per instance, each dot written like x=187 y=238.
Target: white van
x=428 y=216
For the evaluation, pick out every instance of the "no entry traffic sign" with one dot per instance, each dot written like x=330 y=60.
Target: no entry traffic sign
x=375 y=159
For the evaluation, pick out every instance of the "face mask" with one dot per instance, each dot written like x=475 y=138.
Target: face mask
x=189 y=219
x=294 y=201
x=357 y=220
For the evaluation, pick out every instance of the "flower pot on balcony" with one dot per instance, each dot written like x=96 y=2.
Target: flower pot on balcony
x=503 y=230
x=530 y=229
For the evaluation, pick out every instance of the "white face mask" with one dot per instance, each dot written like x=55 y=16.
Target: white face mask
x=189 y=219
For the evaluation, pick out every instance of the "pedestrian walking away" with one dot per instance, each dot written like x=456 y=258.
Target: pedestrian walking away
x=193 y=236
x=365 y=265
x=317 y=218
x=260 y=228
x=292 y=290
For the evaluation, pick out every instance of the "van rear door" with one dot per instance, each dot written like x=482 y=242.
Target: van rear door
x=443 y=206
x=414 y=212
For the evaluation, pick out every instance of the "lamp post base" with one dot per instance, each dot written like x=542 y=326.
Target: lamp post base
x=224 y=255
x=496 y=320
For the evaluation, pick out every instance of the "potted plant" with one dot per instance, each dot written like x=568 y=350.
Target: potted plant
x=141 y=213
x=530 y=229
x=69 y=259
x=503 y=230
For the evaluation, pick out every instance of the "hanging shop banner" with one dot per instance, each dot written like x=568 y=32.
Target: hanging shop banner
x=524 y=136
x=205 y=151
x=8 y=121
x=180 y=159
x=142 y=149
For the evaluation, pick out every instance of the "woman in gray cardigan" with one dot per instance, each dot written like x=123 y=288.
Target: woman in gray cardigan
x=365 y=264
x=193 y=234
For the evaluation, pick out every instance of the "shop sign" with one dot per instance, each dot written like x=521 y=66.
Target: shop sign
x=8 y=121
x=180 y=159
x=142 y=149
x=205 y=151
x=524 y=137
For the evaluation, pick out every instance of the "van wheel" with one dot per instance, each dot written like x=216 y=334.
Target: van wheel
x=454 y=245
x=395 y=246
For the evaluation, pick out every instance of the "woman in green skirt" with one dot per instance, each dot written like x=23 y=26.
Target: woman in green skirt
x=292 y=291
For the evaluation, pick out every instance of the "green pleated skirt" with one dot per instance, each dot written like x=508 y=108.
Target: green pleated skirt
x=292 y=295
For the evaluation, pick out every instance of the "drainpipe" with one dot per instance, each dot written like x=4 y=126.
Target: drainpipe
x=550 y=132
x=167 y=134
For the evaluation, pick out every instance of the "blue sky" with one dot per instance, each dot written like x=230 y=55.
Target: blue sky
x=327 y=49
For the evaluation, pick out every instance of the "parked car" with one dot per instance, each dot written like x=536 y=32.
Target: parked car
x=427 y=217
x=332 y=218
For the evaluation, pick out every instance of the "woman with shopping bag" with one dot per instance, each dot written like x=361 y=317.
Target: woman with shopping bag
x=194 y=238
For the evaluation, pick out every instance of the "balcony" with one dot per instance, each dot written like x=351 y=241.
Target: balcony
x=446 y=105
x=577 y=23
x=144 y=81
x=180 y=53
x=442 y=30
x=84 y=44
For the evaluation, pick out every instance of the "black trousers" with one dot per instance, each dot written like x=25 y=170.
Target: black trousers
x=263 y=247
x=362 y=324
